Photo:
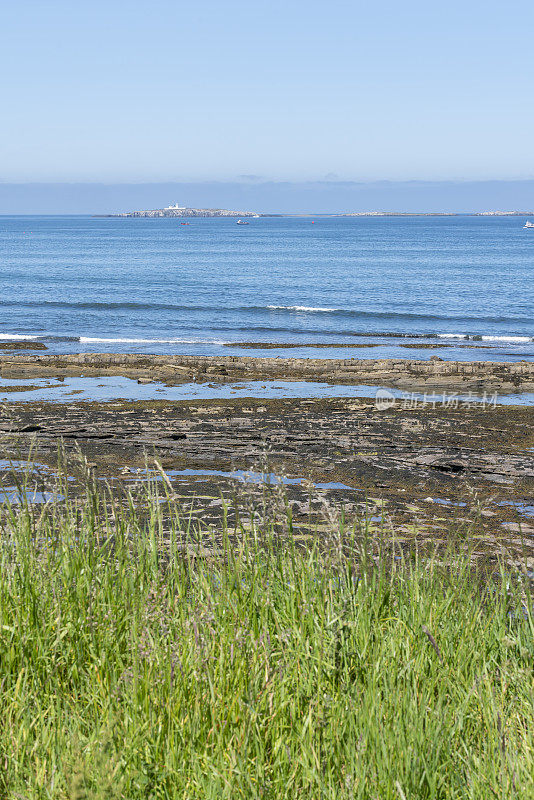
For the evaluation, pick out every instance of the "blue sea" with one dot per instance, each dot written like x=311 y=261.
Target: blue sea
x=83 y=284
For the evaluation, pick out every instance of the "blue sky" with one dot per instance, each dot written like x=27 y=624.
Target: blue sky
x=208 y=90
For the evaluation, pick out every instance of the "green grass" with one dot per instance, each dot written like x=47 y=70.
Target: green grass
x=131 y=670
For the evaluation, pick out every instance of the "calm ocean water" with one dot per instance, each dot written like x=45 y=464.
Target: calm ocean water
x=142 y=285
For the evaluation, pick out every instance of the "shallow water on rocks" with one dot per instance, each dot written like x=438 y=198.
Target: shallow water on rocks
x=107 y=389
x=15 y=495
x=525 y=509
x=269 y=479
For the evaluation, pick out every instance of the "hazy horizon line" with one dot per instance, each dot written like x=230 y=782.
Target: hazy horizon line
x=269 y=196
x=258 y=180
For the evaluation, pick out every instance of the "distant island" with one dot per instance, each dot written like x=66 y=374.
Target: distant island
x=437 y=214
x=184 y=211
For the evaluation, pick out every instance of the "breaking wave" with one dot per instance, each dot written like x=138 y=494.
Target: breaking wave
x=482 y=338
x=214 y=309
x=119 y=340
x=309 y=309
x=16 y=336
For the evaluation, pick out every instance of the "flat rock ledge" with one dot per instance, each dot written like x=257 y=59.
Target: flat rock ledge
x=406 y=374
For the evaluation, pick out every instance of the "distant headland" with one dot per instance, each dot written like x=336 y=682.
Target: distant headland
x=185 y=211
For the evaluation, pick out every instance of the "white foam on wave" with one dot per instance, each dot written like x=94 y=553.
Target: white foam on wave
x=300 y=308
x=98 y=339
x=504 y=339
x=518 y=339
x=17 y=336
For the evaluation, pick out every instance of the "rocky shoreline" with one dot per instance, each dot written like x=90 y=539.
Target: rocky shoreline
x=416 y=473
x=434 y=374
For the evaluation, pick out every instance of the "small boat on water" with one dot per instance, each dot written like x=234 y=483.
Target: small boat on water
x=242 y=222
x=528 y=224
